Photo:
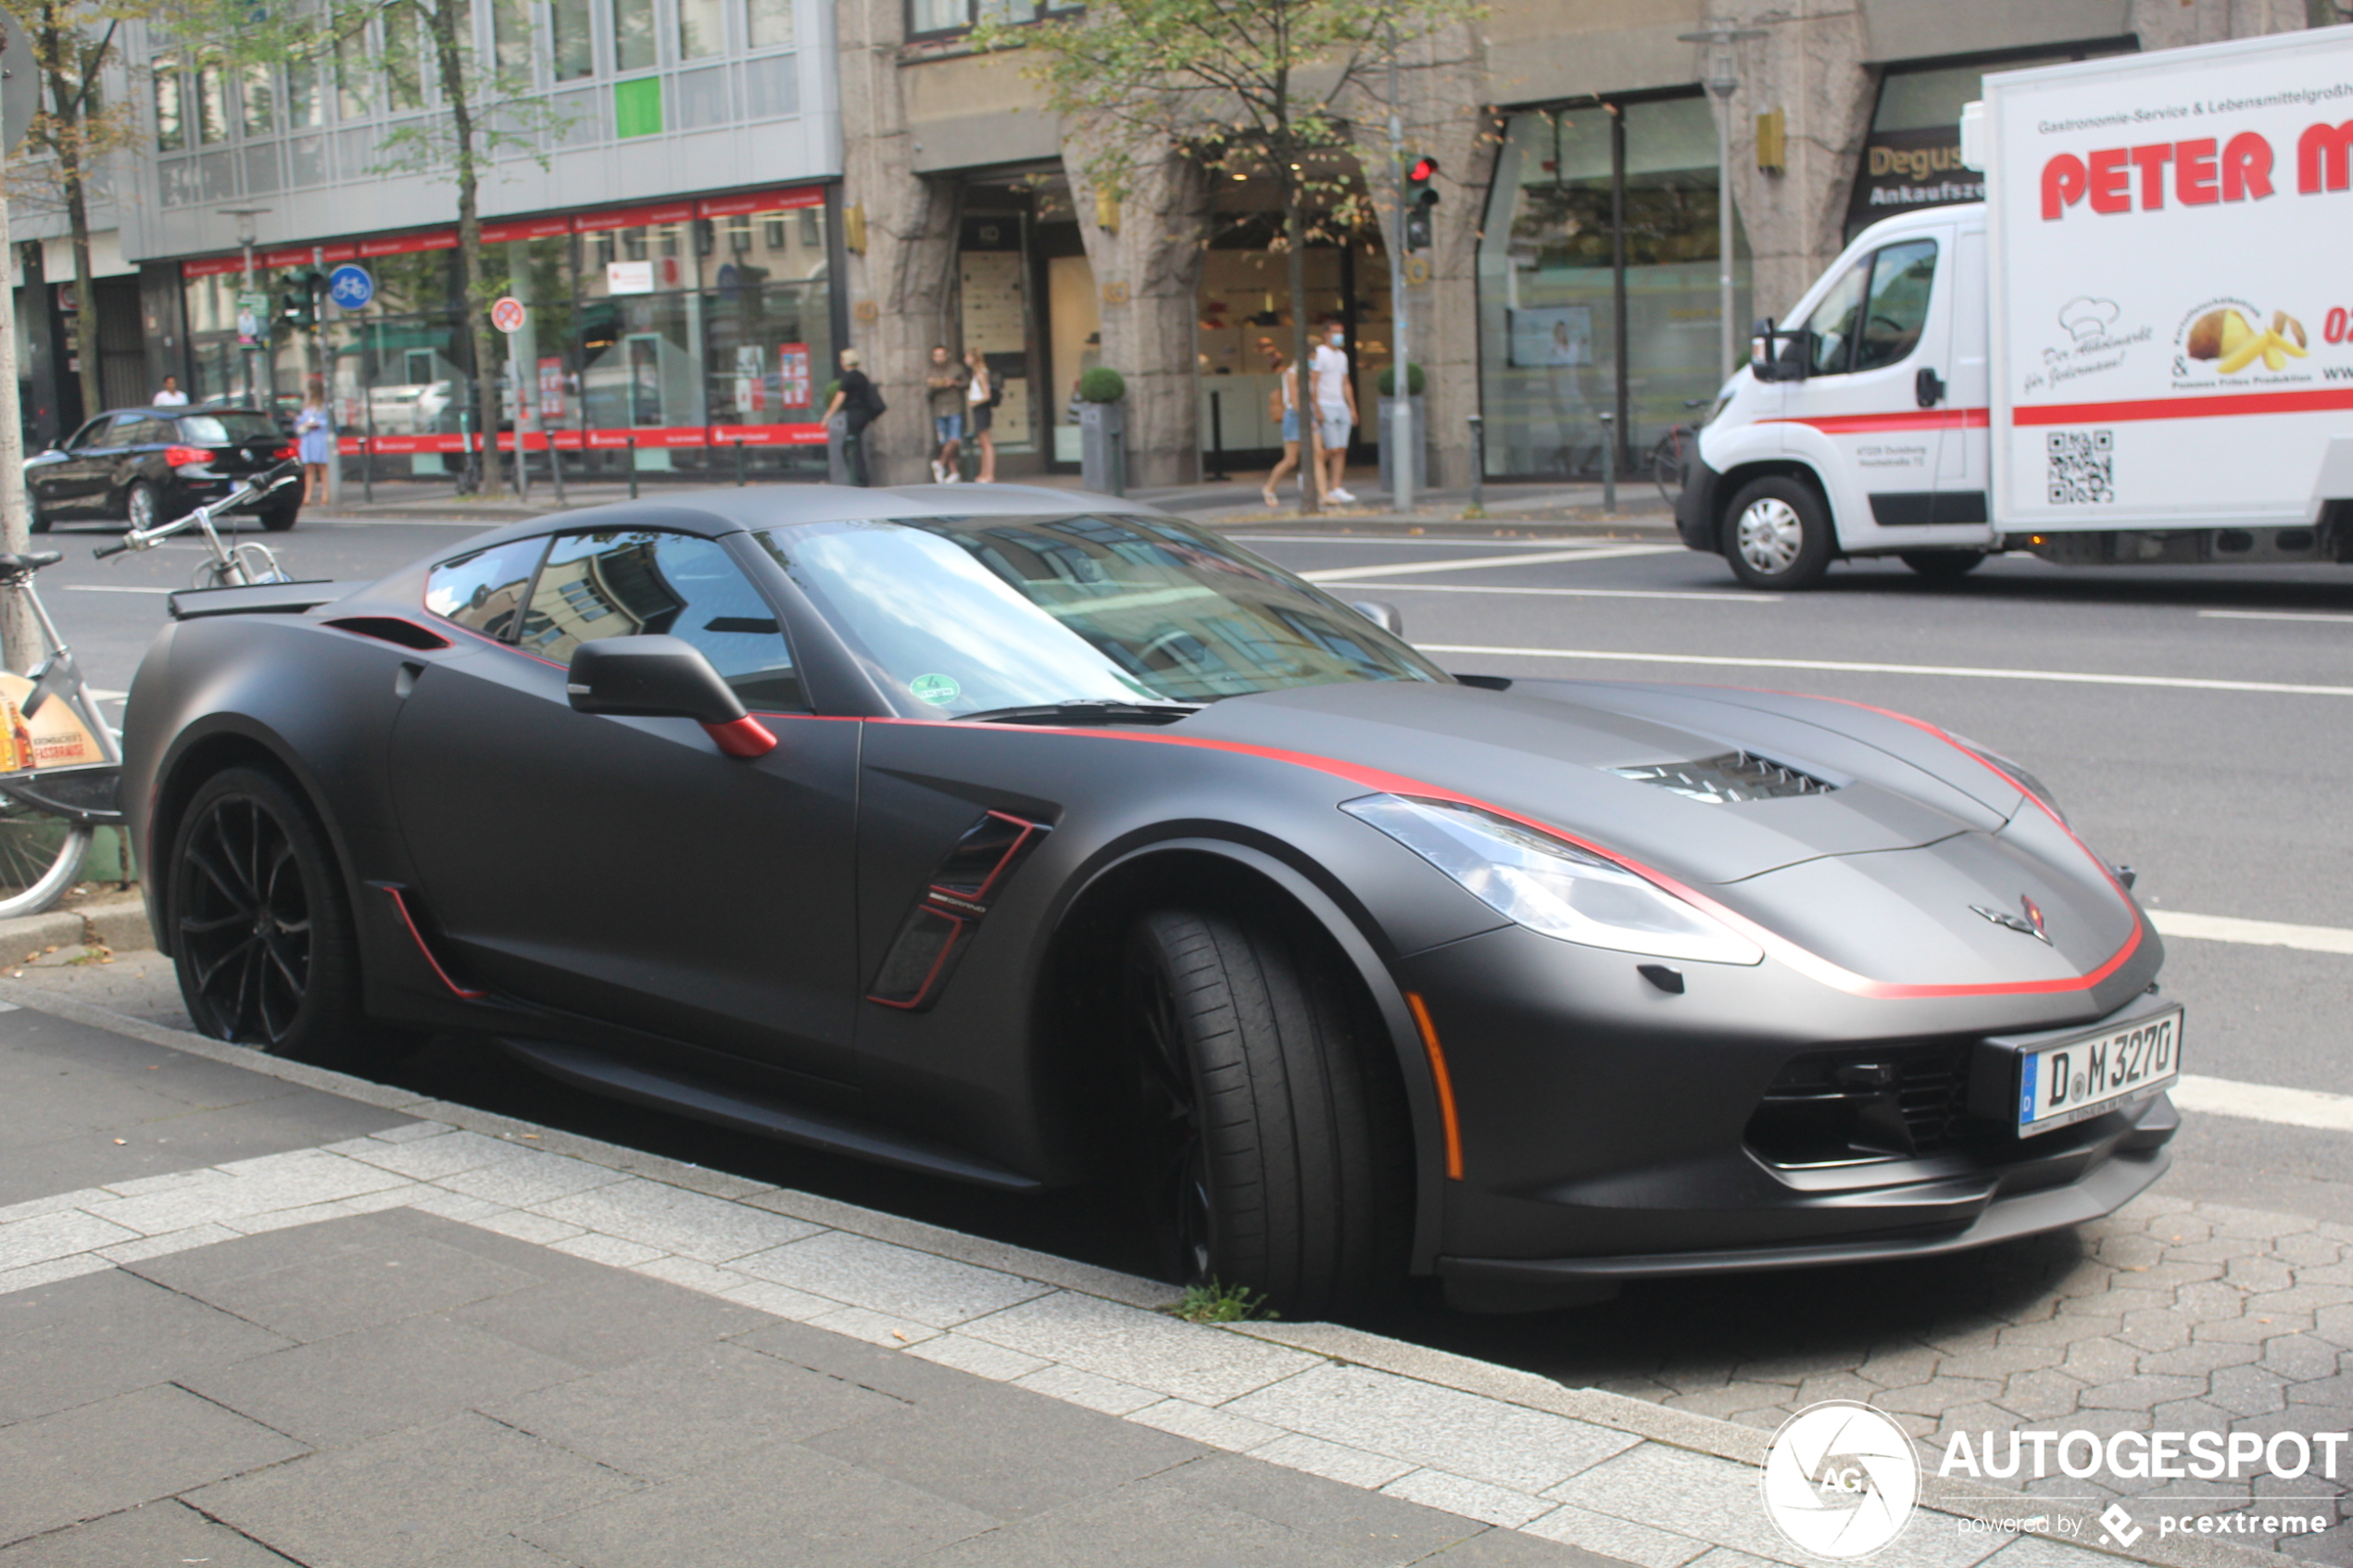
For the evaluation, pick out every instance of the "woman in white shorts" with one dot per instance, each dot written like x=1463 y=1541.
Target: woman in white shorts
x=979 y=413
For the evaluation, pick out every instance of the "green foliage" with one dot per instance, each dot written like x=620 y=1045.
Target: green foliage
x=1101 y=384
x=1388 y=380
x=1212 y=1303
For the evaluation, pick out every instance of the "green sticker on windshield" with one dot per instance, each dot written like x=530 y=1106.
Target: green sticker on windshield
x=938 y=690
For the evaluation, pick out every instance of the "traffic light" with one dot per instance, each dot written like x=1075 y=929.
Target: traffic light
x=1421 y=195
x=299 y=301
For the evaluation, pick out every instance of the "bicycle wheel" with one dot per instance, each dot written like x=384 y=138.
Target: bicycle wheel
x=1667 y=460
x=39 y=856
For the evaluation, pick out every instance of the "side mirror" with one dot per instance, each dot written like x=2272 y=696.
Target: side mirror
x=1382 y=615
x=1780 y=353
x=652 y=677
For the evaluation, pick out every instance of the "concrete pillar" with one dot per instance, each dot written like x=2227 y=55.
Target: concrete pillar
x=1144 y=243
x=902 y=289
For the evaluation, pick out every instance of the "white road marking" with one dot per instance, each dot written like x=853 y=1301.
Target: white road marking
x=2268 y=615
x=2264 y=1102
x=1722 y=599
x=2078 y=677
x=1540 y=558
x=1394 y=541
x=110 y=588
x=2256 y=933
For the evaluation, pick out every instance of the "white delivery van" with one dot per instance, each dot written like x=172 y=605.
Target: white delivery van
x=2137 y=349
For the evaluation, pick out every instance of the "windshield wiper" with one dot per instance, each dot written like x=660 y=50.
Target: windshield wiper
x=1083 y=711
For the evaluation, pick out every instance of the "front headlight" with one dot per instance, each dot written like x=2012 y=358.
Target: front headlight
x=1550 y=886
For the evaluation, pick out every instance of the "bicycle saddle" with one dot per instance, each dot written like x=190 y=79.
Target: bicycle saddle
x=31 y=562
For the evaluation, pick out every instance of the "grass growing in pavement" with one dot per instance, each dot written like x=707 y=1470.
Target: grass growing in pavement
x=1212 y=1303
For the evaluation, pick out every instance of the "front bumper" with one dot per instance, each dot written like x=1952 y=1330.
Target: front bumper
x=1696 y=507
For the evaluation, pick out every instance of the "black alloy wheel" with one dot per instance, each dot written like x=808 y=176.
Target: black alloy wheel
x=1273 y=1154
x=139 y=505
x=261 y=935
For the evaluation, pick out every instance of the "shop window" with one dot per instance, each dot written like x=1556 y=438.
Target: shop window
x=258 y=98
x=171 y=133
x=769 y=23
x=510 y=39
x=354 y=96
x=703 y=28
x=1598 y=282
x=303 y=103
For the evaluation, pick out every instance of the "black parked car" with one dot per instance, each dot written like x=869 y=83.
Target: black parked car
x=145 y=466
x=1028 y=837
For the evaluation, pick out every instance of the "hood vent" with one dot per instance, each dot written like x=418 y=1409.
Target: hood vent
x=1736 y=775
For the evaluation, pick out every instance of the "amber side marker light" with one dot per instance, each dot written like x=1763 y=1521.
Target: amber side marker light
x=1437 y=1054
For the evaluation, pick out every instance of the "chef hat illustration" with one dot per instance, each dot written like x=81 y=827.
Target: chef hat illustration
x=2088 y=317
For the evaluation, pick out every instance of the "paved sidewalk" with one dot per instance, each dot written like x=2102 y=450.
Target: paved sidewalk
x=249 y=1307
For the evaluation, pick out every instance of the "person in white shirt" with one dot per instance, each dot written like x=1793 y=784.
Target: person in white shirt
x=170 y=396
x=1334 y=408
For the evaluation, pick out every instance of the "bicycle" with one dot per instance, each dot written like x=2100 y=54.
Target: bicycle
x=1672 y=458
x=60 y=761
x=232 y=566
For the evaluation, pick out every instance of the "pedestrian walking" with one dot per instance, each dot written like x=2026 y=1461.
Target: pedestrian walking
x=1334 y=408
x=1283 y=403
x=170 y=396
x=981 y=398
x=859 y=403
x=948 y=381
x=314 y=442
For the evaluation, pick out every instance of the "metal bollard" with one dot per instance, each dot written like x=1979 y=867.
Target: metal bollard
x=1609 y=463
x=1478 y=463
x=1216 y=439
x=368 y=451
x=740 y=479
x=631 y=458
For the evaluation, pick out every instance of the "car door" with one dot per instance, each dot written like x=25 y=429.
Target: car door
x=63 y=485
x=1867 y=414
x=625 y=870
x=132 y=452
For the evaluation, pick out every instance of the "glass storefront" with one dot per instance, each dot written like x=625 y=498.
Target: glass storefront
x=1598 y=283
x=692 y=336
x=1244 y=308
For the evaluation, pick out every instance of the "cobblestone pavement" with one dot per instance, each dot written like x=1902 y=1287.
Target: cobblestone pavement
x=2171 y=1315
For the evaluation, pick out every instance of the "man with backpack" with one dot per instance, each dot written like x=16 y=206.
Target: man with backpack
x=858 y=402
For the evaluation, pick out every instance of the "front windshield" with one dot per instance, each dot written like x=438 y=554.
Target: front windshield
x=969 y=615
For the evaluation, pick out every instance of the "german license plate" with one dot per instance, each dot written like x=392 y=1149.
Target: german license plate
x=2074 y=1080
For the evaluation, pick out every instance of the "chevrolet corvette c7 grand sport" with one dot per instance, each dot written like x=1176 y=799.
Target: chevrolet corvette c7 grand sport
x=1036 y=839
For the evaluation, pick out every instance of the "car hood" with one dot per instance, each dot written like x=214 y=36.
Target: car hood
x=1586 y=759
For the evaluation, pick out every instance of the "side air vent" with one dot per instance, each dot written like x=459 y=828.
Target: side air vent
x=1719 y=780
x=934 y=934
x=392 y=629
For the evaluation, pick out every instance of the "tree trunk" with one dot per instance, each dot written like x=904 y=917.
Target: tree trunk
x=59 y=41
x=1311 y=453
x=441 y=17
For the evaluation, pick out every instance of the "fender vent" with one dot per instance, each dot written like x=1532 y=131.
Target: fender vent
x=932 y=938
x=1719 y=780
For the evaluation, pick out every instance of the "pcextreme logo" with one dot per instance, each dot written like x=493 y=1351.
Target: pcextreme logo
x=1840 y=1479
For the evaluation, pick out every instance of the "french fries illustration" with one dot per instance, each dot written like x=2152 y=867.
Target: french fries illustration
x=2227 y=337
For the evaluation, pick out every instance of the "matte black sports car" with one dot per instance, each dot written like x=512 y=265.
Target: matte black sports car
x=147 y=466
x=962 y=831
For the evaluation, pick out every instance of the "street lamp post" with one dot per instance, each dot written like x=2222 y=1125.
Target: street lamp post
x=1721 y=72
x=245 y=217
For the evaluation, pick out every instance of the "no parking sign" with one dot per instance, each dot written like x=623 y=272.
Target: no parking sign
x=507 y=315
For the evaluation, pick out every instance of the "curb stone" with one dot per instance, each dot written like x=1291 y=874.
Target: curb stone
x=1330 y=1346
x=117 y=923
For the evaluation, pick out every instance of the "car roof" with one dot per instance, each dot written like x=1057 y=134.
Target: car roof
x=177 y=410
x=711 y=513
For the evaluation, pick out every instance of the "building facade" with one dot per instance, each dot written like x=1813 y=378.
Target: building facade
x=712 y=197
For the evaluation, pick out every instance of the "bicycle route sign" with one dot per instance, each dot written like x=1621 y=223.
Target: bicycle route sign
x=507 y=315
x=350 y=287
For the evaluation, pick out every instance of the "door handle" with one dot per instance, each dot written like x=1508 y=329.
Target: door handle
x=1927 y=388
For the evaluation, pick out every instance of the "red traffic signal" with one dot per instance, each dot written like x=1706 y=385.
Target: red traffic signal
x=1423 y=171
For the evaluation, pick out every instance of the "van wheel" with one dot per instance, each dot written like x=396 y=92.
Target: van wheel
x=1940 y=564
x=1777 y=534
x=1269 y=1143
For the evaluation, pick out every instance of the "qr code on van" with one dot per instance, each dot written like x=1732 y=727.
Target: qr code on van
x=2082 y=467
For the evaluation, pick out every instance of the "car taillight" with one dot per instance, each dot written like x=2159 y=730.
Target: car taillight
x=182 y=457
x=282 y=453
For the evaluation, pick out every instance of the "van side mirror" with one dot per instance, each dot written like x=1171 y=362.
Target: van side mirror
x=658 y=677
x=1780 y=353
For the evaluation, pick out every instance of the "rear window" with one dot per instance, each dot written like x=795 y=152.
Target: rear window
x=223 y=429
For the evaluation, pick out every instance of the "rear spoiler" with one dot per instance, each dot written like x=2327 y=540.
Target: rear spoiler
x=261 y=598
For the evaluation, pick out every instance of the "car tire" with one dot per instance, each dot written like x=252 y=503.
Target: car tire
x=1271 y=1150
x=262 y=932
x=279 y=520
x=139 y=505
x=1776 y=534
x=1943 y=565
